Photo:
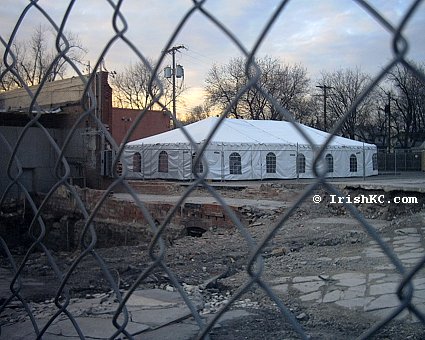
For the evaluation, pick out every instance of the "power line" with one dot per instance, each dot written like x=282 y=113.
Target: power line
x=197 y=60
x=201 y=55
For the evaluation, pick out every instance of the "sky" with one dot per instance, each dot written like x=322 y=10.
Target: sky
x=321 y=35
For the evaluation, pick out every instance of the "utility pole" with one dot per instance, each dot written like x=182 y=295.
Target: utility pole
x=388 y=112
x=175 y=72
x=325 y=89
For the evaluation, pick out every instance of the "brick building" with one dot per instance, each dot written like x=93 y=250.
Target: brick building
x=152 y=123
x=63 y=110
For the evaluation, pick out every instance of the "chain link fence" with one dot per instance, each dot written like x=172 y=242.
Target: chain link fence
x=400 y=160
x=61 y=175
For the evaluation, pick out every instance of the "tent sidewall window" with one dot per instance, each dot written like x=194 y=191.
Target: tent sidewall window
x=235 y=164
x=301 y=163
x=329 y=163
x=353 y=163
x=375 y=161
x=137 y=162
x=163 y=162
x=271 y=163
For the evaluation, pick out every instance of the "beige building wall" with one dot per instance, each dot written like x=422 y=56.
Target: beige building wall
x=52 y=95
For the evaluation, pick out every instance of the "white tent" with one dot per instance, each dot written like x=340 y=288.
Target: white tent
x=245 y=150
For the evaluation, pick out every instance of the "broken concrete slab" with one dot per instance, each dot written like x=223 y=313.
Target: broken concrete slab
x=354 y=303
x=383 y=301
x=159 y=317
x=148 y=309
x=175 y=331
x=383 y=288
x=153 y=298
x=308 y=287
x=350 y=279
x=93 y=327
x=18 y=331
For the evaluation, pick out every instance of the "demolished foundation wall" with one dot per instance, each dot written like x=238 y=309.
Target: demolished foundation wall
x=121 y=222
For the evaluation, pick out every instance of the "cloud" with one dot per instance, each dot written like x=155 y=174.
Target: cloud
x=321 y=35
x=332 y=34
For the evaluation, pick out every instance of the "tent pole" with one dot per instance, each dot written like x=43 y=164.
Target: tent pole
x=152 y=163
x=222 y=163
x=252 y=173
x=261 y=164
x=191 y=172
x=395 y=161
x=296 y=164
x=364 y=164
x=143 y=162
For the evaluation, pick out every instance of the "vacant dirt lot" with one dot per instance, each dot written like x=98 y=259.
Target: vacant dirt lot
x=322 y=263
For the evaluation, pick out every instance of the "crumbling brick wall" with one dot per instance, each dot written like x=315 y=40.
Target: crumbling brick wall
x=120 y=221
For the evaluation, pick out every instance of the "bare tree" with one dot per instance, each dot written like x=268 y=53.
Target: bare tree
x=307 y=112
x=131 y=87
x=135 y=87
x=36 y=59
x=407 y=105
x=375 y=127
x=7 y=81
x=287 y=84
x=345 y=86
x=197 y=113
x=223 y=83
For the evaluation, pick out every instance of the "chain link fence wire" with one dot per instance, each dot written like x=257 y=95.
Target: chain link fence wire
x=158 y=246
x=400 y=160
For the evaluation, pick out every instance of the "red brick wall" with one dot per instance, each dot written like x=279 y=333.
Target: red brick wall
x=200 y=215
x=152 y=123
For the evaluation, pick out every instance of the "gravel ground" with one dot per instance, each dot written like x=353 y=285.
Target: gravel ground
x=214 y=265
